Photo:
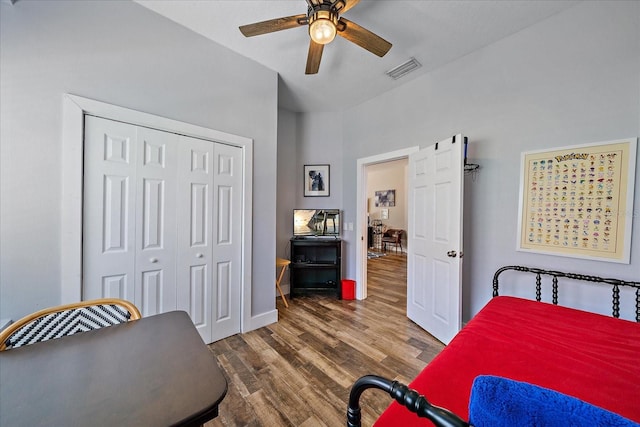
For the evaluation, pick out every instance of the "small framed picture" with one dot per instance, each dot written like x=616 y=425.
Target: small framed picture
x=316 y=180
x=386 y=198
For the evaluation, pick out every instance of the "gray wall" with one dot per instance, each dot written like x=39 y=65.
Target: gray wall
x=288 y=175
x=321 y=134
x=307 y=139
x=120 y=53
x=571 y=79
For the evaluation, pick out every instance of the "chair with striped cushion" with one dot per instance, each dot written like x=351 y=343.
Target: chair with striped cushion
x=60 y=321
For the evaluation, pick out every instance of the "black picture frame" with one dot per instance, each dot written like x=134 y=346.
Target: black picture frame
x=316 y=180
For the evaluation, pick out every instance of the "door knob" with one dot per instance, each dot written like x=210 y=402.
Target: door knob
x=451 y=254
x=199 y=255
x=153 y=260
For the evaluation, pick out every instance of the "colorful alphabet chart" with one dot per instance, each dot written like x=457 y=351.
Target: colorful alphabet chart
x=577 y=201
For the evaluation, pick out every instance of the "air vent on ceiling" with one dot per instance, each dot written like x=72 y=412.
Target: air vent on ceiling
x=403 y=69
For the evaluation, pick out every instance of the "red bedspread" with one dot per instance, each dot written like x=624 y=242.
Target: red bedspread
x=589 y=356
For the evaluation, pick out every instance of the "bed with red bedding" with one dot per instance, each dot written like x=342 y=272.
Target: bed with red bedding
x=589 y=356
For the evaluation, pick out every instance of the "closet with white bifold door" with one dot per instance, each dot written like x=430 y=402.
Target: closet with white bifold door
x=161 y=223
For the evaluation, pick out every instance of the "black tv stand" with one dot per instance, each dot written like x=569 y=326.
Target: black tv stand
x=316 y=266
x=317 y=237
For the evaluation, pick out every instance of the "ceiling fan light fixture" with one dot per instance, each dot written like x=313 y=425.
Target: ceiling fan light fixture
x=323 y=23
x=322 y=26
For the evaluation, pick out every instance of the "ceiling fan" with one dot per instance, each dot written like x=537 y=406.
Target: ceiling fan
x=324 y=21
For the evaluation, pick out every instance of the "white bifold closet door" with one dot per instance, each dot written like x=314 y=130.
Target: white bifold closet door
x=161 y=223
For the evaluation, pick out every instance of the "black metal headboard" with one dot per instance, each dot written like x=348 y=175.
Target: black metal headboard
x=615 y=284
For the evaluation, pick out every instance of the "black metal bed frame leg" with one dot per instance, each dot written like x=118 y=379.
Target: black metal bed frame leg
x=407 y=397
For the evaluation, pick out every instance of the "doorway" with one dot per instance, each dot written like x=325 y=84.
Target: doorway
x=387 y=212
x=362 y=209
x=434 y=274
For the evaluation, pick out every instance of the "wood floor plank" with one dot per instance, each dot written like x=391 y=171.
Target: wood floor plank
x=313 y=421
x=267 y=410
x=299 y=371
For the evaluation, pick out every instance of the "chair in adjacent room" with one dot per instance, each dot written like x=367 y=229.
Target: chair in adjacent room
x=392 y=237
x=68 y=319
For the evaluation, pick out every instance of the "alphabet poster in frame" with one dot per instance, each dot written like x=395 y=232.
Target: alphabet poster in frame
x=316 y=180
x=577 y=201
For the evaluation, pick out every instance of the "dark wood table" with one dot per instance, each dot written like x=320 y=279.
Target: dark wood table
x=155 y=371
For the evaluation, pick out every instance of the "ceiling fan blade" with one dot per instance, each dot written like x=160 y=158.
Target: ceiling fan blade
x=314 y=57
x=363 y=37
x=272 y=25
x=348 y=5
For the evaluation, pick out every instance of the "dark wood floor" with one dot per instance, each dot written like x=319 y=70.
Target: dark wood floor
x=299 y=371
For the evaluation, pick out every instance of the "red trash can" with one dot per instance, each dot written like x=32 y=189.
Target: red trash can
x=348 y=289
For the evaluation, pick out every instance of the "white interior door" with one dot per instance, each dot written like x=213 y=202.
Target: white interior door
x=434 y=270
x=156 y=221
x=109 y=209
x=227 y=237
x=195 y=213
x=129 y=215
x=162 y=223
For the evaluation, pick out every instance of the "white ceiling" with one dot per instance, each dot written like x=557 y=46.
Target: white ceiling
x=434 y=32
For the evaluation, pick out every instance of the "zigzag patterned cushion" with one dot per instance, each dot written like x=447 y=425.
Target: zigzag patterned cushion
x=63 y=323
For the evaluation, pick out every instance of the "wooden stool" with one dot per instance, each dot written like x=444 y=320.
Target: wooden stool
x=282 y=263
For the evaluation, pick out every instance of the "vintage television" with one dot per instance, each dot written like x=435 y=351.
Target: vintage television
x=310 y=223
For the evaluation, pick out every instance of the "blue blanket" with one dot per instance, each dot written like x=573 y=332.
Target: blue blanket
x=498 y=402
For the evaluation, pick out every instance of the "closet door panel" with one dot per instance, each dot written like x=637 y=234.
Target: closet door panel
x=227 y=254
x=197 y=293
x=194 y=237
x=110 y=158
x=156 y=222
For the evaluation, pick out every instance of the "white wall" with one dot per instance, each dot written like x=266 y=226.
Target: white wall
x=120 y=53
x=573 y=78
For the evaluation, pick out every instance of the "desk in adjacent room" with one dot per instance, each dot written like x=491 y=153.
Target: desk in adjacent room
x=155 y=371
